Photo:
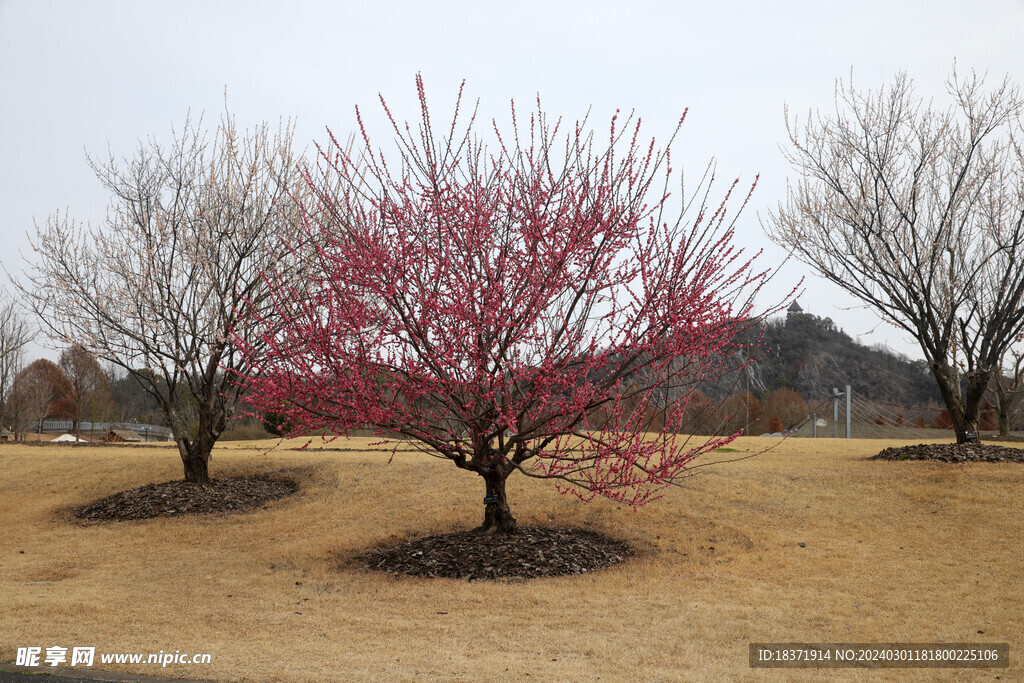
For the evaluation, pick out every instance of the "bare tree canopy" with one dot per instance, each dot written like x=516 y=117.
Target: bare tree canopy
x=1007 y=387
x=40 y=391
x=919 y=212
x=156 y=288
x=15 y=334
x=90 y=386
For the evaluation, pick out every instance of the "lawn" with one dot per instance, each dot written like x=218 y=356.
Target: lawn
x=894 y=552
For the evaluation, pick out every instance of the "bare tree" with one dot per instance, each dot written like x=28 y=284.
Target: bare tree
x=15 y=334
x=40 y=391
x=90 y=388
x=27 y=404
x=158 y=288
x=1007 y=386
x=919 y=212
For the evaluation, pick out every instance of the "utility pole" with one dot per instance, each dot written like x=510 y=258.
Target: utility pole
x=746 y=401
x=848 y=435
x=835 y=413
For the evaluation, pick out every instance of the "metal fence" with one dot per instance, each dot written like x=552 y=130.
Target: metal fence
x=87 y=429
x=847 y=414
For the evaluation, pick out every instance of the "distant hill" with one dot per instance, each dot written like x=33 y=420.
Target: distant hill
x=811 y=355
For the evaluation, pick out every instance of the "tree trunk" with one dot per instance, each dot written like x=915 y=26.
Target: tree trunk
x=196 y=469
x=195 y=457
x=964 y=414
x=195 y=443
x=965 y=428
x=1004 y=404
x=977 y=385
x=497 y=515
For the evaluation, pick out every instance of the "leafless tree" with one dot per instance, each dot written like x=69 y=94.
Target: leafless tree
x=1007 y=387
x=90 y=388
x=15 y=334
x=27 y=404
x=919 y=212
x=166 y=283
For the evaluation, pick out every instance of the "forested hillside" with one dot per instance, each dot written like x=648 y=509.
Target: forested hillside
x=811 y=355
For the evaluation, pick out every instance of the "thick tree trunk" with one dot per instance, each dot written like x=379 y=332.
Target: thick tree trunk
x=966 y=429
x=977 y=385
x=497 y=515
x=196 y=440
x=963 y=413
x=195 y=457
x=196 y=468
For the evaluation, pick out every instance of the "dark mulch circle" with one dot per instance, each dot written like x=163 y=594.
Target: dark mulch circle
x=529 y=553
x=175 y=498
x=953 y=452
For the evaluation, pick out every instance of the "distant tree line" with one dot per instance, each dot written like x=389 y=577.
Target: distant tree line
x=76 y=388
x=797 y=361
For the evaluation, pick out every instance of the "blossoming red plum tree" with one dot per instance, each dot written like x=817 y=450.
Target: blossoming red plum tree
x=483 y=301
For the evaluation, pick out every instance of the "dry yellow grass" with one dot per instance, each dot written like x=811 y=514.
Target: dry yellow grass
x=895 y=551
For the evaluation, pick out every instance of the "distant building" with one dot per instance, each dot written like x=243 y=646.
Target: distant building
x=794 y=308
x=122 y=436
x=6 y=435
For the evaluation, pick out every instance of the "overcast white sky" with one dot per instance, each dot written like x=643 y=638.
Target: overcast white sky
x=80 y=75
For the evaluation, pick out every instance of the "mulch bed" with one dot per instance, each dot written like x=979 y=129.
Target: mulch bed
x=530 y=552
x=175 y=498
x=953 y=452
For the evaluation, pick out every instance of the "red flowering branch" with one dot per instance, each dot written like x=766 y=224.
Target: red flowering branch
x=528 y=306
